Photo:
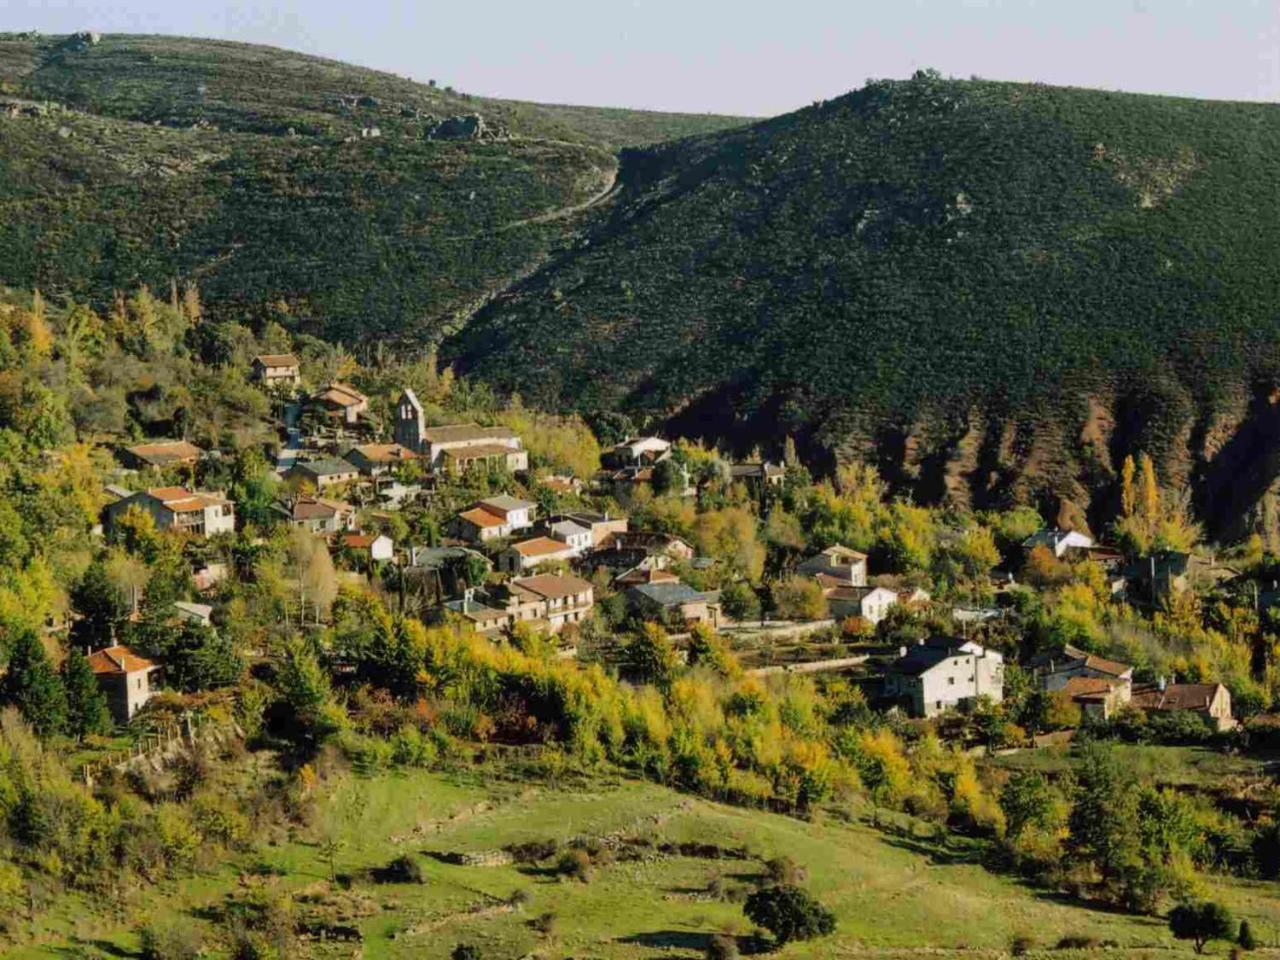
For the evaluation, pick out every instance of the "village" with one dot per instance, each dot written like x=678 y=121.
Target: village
x=558 y=554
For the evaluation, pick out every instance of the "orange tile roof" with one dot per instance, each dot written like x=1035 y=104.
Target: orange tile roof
x=481 y=518
x=551 y=586
x=539 y=547
x=1089 y=688
x=359 y=541
x=166 y=451
x=341 y=394
x=118 y=659
x=386 y=452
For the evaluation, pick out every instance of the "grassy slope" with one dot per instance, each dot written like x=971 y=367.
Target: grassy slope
x=916 y=246
x=893 y=895
x=392 y=234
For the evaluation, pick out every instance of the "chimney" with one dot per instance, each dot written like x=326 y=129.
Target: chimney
x=902 y=651
x=1161 y=684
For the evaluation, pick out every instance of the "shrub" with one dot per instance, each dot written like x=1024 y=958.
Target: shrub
x=403 y=869
x=789 y=914
x=465 y=951
x=575 y=864
x=1076 y=941
x=1245 y=939
x=1021 y=944
x=520 y=899
x=785 y=872
x=722 y=946
x=546 y=924
x=171 y=941
x=532 y=851
x=1200 y=922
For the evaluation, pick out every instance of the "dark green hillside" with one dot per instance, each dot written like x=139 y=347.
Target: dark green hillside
x=140 y=159
x=913 y=250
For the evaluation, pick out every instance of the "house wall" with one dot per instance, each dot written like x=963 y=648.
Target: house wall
x=955 y=682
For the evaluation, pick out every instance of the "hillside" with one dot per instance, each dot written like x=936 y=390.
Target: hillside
x=992 y=290
x=895 y=894
x=255 y=172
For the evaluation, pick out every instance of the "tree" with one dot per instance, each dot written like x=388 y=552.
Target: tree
x=1201 y=922
x=799 y=598
x=739 y=602
x=668 y=477
x=1245 y=938
x=789 y=914
x=87 y=711
x=197 y=657
x=32 y=685
x=1027 y=800
x=1103 y=825
x=652 y=657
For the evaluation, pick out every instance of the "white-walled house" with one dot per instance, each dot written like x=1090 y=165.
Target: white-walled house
x=1059 y=541
x=870 y=603
x=177 y=508
x=494 y=518
x=945 y=673
x=530 y=554
x=574 y=534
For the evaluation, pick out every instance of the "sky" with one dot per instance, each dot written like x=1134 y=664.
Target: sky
x=745 y=57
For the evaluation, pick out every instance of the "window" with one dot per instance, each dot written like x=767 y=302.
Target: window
x=951 y=681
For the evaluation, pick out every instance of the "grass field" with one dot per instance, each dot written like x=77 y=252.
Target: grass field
x=894 y=895
x=1165 y=766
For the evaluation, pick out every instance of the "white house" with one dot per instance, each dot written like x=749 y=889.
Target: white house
x=641 y=450
x=494 y=518
x=840 y=563
x=944 y=673
x=125 y=678
x=198 y=613
x=562 y=599
x=378 y=548
x=574 y=534
x=1059 y=541
x=529 y=554
x=176 y=508
x=870 y=603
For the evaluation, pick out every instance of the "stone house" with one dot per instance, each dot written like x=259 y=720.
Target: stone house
x=317 y=514
x=1210 y=701
x=673 y=603
x=340 y=402
x=410 y=424
x=176 y=508
x=276 y=370
x=376 y=459
x=944 y=673
x=126 y=679
x=329 y=472
x=837 y=562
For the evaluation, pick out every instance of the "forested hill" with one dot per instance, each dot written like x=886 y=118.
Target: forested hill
x=257 y=172
x=991 y=288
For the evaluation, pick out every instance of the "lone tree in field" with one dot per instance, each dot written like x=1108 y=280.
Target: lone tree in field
x=789 y=914
x=1201 y=922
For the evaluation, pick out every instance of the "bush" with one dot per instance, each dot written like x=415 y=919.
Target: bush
x=1021 y=945
x=532 y=851
x=1200 y=922
x=789 y=914
x=1245 y=939
x=546 y=924
x=1075 y=941
x=520 y=899
x=172 y=941
x=465 y=951
x=575 y=864
x=722 y=946
x=403 y=869
x=785 y=872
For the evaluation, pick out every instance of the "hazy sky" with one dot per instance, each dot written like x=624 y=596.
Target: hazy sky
x=735 y=56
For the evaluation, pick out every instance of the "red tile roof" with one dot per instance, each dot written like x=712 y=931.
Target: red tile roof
x=118 y=659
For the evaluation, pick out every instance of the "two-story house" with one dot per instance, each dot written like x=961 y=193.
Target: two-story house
x=317 y=514
x=176 y=508
x=126 y=679
x=276 y=370
x=944 y=673
x=376 y=459
x=494 y=518
x=457 y=448
x=839 y=563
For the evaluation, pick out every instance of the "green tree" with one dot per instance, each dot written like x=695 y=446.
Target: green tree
x=87 y=711
x=1027 y=801
x=652 y=658
x=1245 y=938
x=739 y=602
x=32 y=685
x=1103 y=825
x=789 y=914
x=668 y=477
x=1201 y=922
